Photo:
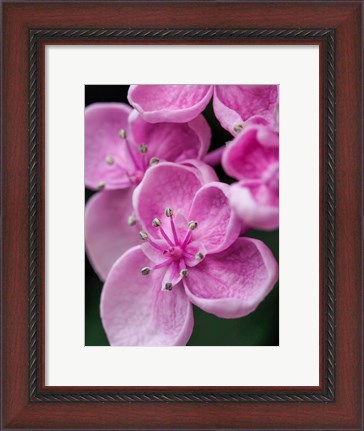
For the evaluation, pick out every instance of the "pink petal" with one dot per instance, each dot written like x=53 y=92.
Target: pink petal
x=257 y=207
x=251 y=153
x=103 y=121
x=174 y=142
x=205 y=172
x=136 y=312
x=166 y=185
x=232 y=283
x=108 y=234
x=218 y=227
x=169 y=103
x=236 y=104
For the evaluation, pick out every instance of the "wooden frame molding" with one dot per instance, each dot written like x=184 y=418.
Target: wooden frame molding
x=27 y=402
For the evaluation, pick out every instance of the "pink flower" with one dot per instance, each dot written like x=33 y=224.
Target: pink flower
x=253 y=158
x=233 y=104
x=119 y=148
x=191 y=253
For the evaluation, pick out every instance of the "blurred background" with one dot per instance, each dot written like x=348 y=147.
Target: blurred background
x=260 y=328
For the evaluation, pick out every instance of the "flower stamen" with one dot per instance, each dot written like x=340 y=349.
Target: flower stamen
x=199 y=256
x=156 y=222
x=192 y=225
x=162 y=264
x=154 y=161
x=109 y=160
x=183 y=273
x=238 y=128
x=122 y=134
x=169 y=213
x=100 y=185
x=132 y=220
x=143 y=148
x=143 y=235
x=168 y=286
x=145 y=270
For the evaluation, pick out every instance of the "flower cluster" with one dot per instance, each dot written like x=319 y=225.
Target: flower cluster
x=162 y=231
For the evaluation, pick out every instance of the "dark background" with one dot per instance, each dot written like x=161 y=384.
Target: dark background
x=260 y=328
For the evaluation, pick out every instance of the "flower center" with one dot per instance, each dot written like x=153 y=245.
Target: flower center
x=172 y=247
x=175 y=253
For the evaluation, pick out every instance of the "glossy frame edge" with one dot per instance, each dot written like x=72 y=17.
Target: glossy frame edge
x=36 y=36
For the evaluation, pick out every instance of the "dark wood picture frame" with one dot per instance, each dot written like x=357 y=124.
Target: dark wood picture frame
x=27 y=28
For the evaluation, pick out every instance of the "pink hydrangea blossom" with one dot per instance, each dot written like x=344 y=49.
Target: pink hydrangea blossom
x=191 y=254
x=233 y=104
x=253 y=158
x=119 y=148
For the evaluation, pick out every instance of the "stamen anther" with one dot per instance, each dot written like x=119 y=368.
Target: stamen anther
x=100 y=185
x=109 y=160
x=183 y=273
x=143 y=235
x=169 y=212
x=192 y=225
x=156 y=222
x=199 y=256
x=154 y=161
x=122 y=133
x=145 y=270
x=131 y=220
x=168 y=286
x=238 y=128
x=143 y=148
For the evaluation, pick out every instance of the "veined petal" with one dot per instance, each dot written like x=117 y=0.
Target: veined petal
x=174 y=142
x=258 y=207
x=166 y=185
x=251 y=153
x=218 y=227
x=105 y=160
x=236 y=104
x=169 y=103
x=107 y=232
x=205 y=172
x=232 y=283
x=136 y=312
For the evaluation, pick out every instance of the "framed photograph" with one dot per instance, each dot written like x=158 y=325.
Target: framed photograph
x=182 y=215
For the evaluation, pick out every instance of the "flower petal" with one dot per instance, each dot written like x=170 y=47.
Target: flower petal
x=103 y=121
x=136 y=312
x=108 y=234
x=236 y=104
x=218 y=227
x=251 y=153
x=232 y=283
x=205 y=172
x=169 y=103
x=173 y=142
x=166 y=185
x=257 y=207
